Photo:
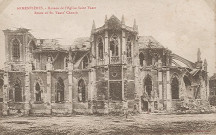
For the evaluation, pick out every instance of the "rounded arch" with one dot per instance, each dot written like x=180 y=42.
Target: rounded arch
x=148 y=85
x=141 y=58
x=60 y=90
x=81 y=90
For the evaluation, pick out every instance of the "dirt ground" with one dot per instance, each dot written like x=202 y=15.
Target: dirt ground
x=110 y=125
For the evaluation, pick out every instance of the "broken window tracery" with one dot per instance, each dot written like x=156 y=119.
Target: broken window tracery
x=129 y=47
x=16 y=49
x=114 y=45
x=100 y=48
x=81 y=91
x=60 y=90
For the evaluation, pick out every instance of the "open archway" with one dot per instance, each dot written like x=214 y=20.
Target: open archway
x=81 y=91
x=175 y=88
x=148 y=85
x=17 y=91
x=60 y=90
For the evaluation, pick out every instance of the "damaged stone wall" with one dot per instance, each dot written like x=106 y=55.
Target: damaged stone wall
x=80 y=107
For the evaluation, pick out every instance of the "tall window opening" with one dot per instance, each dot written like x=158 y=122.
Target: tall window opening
x=85 y=62
x=32 y=46
x=38 y=92
x=175 y=88
x=1 y=90
x=60 y=90
x=149 y=60
x=114 y=45
x=148 y=85
x=16 y=49
x=129 y=52
x=17 y=91
x=66 y=60
x=141 y=59
x=100 y=48
x=81 y=91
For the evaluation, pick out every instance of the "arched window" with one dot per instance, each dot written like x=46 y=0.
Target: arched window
x=16 y=49
x=38 y=92
x=17 y=91
x=129 y=47
x=175 y=88
x=1 y=90
x=60 y=90
x=148 y=85
x=141 y=58
x=100 y=48
x=32 y=46
x=85 y=62
x=81 y=91
x=149 y=59
x=114 y=45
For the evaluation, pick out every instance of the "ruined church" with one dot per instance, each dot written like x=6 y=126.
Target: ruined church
x=111 y=70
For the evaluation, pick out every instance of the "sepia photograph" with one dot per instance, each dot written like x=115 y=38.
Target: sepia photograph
x=107 y=67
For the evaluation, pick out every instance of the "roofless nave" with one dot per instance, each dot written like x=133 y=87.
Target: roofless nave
x=112 y=70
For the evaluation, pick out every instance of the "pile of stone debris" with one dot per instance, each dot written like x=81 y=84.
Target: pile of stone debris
x=195 y=106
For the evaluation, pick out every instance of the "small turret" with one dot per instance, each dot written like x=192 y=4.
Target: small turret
x=198 y=55
x=70 y=57
x=135 y=27
x=123 y=20
x=199 y=61
x=105 y=19
x=205 y=65
x=93 y=27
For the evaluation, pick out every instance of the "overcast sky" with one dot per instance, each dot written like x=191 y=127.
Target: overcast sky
x=183 y=26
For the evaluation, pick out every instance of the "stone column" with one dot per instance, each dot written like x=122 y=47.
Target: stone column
x=106 y=48
x=169 y=99
x=124 y=60
x=70 y=84
x=27 y=93
x=92 y=88
x=49 y=86
x=137 y=88
x=160 y=89
x=5 y=95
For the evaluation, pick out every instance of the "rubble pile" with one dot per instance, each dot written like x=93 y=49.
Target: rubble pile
x=194 y=106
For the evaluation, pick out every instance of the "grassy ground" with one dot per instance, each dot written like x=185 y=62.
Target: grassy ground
x=110 y=125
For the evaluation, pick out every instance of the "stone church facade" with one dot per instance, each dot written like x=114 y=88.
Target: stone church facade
x=112 y=70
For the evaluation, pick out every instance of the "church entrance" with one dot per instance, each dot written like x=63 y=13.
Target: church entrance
x=144 y=105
